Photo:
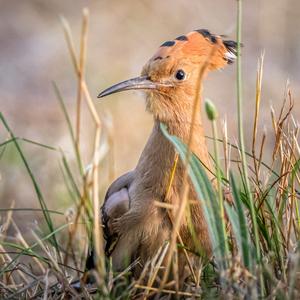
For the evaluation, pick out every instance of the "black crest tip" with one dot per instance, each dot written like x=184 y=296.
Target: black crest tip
x=168 y=44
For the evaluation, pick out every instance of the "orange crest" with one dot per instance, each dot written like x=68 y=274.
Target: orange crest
x=202 y=45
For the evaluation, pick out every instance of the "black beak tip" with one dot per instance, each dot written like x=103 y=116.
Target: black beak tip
x=100 y=95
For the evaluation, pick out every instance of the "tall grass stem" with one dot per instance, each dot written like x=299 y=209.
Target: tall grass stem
x=241 y=138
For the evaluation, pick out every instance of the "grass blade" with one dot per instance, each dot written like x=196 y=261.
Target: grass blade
x=240 y=227
x=34 y=182
x=207 y=196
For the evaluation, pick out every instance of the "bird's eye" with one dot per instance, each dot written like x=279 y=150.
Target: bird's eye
x=180 y=75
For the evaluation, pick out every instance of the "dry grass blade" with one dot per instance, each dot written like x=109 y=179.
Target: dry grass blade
x=278 y=126
x=157 y=261
x=25 y=244
x=185 y=189
x=261 y=151
x=5 y=257
x=52 y=259
x=256 y=114
x=171 y=292
x=82 y=57
x=96 y=157
x=226 y=148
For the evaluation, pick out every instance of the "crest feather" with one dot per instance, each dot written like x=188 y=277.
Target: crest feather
x=199 y=43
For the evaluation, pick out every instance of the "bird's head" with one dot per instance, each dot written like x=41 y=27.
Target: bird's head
x=170 y=77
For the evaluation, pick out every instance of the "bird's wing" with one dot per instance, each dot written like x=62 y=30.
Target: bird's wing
x=116 y=203
x=123 y=181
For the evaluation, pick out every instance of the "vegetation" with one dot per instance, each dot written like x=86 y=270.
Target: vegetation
x=252 y=211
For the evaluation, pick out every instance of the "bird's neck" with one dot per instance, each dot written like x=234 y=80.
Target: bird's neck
x=189 y=133
x=157 y=159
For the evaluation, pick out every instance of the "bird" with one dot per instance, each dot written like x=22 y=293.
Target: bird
x=134 y=226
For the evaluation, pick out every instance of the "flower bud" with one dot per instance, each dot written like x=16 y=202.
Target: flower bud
x=211 y=110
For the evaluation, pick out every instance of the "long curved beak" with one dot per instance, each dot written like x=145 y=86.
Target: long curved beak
x=137 y=83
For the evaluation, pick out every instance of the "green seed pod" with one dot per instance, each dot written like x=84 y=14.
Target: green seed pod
x=211 y=110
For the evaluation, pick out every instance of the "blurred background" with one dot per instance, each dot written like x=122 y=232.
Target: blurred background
x=123 y=35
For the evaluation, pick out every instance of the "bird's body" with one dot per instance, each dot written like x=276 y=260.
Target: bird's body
x=144 y=225
x=135 y=227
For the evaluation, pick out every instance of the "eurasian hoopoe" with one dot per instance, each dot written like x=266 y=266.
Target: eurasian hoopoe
x=134 y=226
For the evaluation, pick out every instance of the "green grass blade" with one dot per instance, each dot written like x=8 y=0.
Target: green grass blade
x=206 y=195
x=240 y=227
x=23 y=249
x=29 y=249
x=295 y=170
x=29 y=142
x=70 y=177
x=34 y=182
x=50 y=211
x=70 y=128
x=248 y=154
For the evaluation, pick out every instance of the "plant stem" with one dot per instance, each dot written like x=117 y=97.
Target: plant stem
x=241 y=138
x=219 y=182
